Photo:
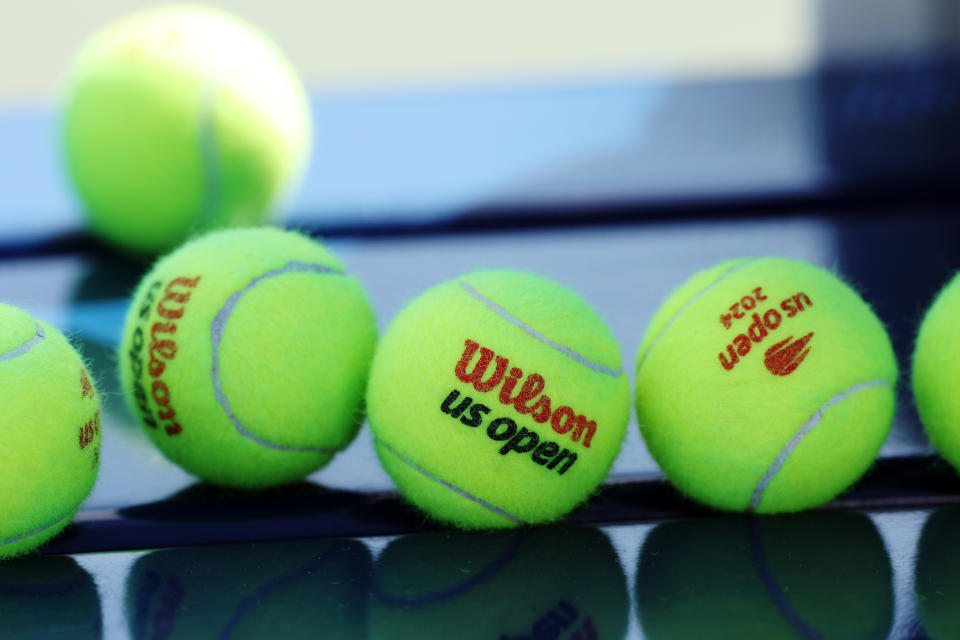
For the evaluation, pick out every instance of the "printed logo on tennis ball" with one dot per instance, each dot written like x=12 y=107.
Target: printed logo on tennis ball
x=90 y=429
x=785 y=356
x=528 y=400
x=170 y=303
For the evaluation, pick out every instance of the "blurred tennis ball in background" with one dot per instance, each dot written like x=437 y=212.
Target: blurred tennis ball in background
x=812 y=575
x=50 y=431
x=765 y=384
x=497 y=399
x=245 y=356
x=48 y=597
x=300 y=589
x=556 y=582
x=935 y=372
x=178 y=119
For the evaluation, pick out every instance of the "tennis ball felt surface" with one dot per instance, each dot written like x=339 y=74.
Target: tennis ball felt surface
x=301 y=589
x=50 y=429
x=765 y=385
x=813 y=575
x=178 y=119
x=46 y=597
x=497 y=399
x=937 y=576
x=935 y=372
x=245 y=356
x=556 y=582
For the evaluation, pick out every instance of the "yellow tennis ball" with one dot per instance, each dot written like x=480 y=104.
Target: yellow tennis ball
x=497 y=399
x=811 y=575
x=765 y=384
x=50 y=431
x=548 y=582
x=179 y=119
x=934 y=372
x=297 y=589
x=245 y=356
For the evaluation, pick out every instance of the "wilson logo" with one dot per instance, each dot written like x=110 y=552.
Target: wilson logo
x=529 y=400
x=783 y=358
x=159 y=350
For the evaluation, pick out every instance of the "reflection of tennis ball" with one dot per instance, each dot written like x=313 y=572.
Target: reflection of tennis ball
x=765 y=385
x=558 y=582
x=47 y=597
x=302 y=589
x=938 y=576
x=50 y=432
x=934 y=372
x=814 y=575
x=181 y=118
x=245 y=356
x=497 y=399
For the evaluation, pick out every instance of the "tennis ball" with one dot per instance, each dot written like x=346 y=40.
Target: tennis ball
x=557 y=582
x=813 y=575
x=937 y=576
x=301 y=589
x=179 y=119
x=52 y=596
x=50 y=430
x=934 y=372
x=245 y=356
x=765 y=384
x=497 y=399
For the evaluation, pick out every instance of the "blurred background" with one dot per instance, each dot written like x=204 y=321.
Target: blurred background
x=617 y=146
x=427 y=111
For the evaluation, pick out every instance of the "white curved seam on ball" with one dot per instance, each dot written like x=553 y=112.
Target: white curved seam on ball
x=26 y=346
x=773 y=587
x=36 y=531
x=212 y=173
x=217 y=328
x=460 y=492
x=514 y=320
x=808 y=426
x=689 y=302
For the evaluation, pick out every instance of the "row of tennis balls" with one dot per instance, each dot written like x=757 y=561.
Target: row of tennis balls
x=246 y=353
x=823 y=574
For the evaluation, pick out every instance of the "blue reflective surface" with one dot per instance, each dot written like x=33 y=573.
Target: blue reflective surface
x=842 y=574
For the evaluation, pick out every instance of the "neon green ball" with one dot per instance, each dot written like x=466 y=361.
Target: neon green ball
x=548 y=582
x=245 y=356
x=179 y=119
x=934 y=378
x=50 y=431
x=765 y=384
x=813 y=575
x=497 y=399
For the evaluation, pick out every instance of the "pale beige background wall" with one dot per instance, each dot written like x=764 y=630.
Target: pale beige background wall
x=376 y=43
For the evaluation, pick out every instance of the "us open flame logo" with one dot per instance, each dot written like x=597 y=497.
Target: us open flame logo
x=783 y=358
x=757 y=327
